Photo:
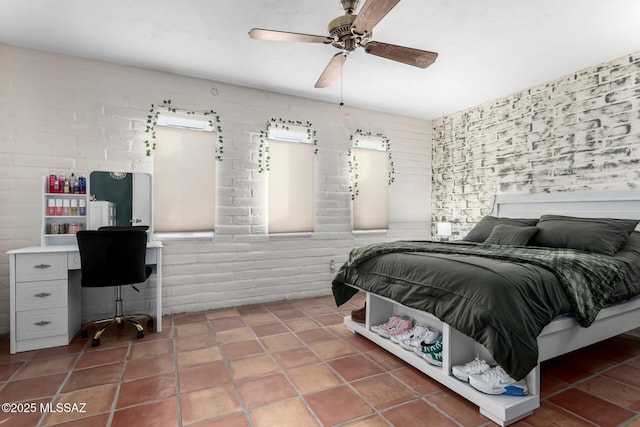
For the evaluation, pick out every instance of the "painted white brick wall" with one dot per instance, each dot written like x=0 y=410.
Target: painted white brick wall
x=65 y=113
x=579 y=132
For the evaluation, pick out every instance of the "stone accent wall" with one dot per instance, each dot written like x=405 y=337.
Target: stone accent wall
x=579 y=132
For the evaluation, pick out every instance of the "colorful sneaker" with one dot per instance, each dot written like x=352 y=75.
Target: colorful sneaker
x=424 y=348
x=399 y=327
x=417 y=330
x=475 y=367
x=433 y=358
x=497 y=381
x=392 y=321
x=428 y=336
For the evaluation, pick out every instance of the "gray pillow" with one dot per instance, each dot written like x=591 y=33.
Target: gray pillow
x=598 y=235
x=510 y=235
x=483 y=229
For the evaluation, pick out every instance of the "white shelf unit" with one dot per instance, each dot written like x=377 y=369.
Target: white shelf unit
x=47 y=237
x=458 y=349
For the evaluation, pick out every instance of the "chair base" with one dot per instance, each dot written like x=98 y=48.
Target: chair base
x=103 y=324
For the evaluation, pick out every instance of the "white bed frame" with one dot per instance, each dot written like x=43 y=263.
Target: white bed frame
x=561 y=336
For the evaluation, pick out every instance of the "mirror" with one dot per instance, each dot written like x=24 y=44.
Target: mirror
x=127 y=195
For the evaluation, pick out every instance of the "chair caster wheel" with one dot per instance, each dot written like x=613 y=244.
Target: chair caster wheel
x=150 y=323
x=95 y=342
x=84 y=333
x=140 y=334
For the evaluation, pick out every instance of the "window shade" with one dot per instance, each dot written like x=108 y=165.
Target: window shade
x=371 y=205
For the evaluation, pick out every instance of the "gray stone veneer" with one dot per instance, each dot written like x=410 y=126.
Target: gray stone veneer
x=579 y=132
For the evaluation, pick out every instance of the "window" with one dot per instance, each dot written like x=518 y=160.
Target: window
x=370 y=178
x=184 y=176
x=290 y=180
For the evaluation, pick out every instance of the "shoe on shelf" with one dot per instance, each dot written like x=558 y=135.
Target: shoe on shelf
x=389 y=323
x=429 y=335
x=433 y=358
x=475 y=367
x=360 y=315
x=413 y=332
x=497 y=381
x=425 y=348
x=405 y=324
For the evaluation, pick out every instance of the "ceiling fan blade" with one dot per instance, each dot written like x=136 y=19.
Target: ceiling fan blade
x=406 y=55
x=332 y=71
x=370 y=14
x=284 y=36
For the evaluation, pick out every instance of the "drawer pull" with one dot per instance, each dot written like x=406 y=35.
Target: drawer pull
x=42 y=323
x=42 y=266
x=42 y=295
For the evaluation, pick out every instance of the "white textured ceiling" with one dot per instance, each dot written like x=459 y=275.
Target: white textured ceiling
x=487 y=48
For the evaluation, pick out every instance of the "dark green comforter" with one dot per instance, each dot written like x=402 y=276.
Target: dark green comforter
x=500 y=296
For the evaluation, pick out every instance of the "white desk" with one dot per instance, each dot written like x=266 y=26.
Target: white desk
x=45 y=305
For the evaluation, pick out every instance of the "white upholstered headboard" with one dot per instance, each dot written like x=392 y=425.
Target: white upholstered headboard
x=623 y=204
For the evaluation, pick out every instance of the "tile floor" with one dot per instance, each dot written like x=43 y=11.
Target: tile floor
x=286 y=364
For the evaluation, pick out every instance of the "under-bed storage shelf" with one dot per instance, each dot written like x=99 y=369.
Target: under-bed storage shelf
x=458 y=349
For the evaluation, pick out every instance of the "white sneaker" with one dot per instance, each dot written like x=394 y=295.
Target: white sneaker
x=416 y=330
x=429 y=335
x=497 y=381
x=475 y=367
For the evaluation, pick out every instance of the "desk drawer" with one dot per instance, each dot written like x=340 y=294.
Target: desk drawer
x=41 y=323
x=37 y=295
x=41 y=266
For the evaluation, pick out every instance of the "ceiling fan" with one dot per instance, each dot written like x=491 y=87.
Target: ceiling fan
x=350 y=31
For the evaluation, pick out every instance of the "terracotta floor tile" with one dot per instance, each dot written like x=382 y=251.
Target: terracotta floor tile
x=210 y=403
x=76 y=346
x=203 y=376
x=8 y=369
x=154 y=414
x=550 y=415
x=95 y=376
x=265 y=390
x=222 y=313
x=151 y=349
x=295 y=357
x=195 y=342
x=613 y=391
x=269 y=329
x=328 y=350
x=234 y=420
x=337 y=405
x=98 y=400
x=304 y=324
x=355 y=367
x=259 y=318
x=329 y=319
x=417 y=381
x=549 y=384
x=312 y=378
x=235 y=335
x=384 y=390
x=311 y=336
x=186 y=318
x=281 y=342
x=288 y=413
x=148 y=367
x=249 y=310
x=198 y=357
x=102 y=357
x=146 y=389
x=251 y=367
x=52 y=365
x=458 y=408
x=387 y=360
x=31 y=388
x=314 y=311
x=279 y=306
x=22 y=419
x=237 y=350
x=361 y=343
x=286 y=315
x=415 y=413
x=591 y=408
x=190 y=329
x=625 y=374
x=92 y=421
x=373 y=421
x=226 y=323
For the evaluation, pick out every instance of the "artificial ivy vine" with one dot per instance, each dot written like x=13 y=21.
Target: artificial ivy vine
x=263 y=148
x=152 y=120
x=353 y=163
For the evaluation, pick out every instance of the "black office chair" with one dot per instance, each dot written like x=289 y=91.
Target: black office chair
x=113 y=258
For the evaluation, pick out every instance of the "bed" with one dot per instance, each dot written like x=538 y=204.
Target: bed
x=575 y=281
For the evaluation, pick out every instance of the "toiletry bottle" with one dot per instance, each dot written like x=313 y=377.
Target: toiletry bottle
x=58 y=206
x=74 y=207
x=73 y=184
x=82 y=208
x=51 y=207
x=66 y=207
x=62 y=181
x=52 y=183
x=82 y=184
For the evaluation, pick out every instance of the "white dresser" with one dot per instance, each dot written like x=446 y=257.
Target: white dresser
x=45 y=300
